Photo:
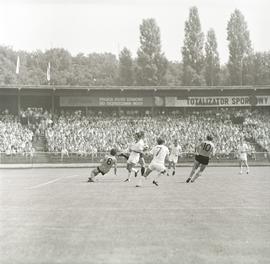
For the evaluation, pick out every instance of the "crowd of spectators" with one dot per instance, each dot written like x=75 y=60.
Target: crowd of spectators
x=36 y=119
x=14 y=137
x=77 y=132
x=258 y=126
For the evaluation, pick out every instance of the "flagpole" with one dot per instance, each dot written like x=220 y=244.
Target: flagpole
x=49 y=73
x=17 y=69
x=17 y=79
x=49 y=83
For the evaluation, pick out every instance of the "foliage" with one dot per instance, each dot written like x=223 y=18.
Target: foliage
x=239 y=46
x=212 y=64
x=192 y=51
x=151 y=64
x=126 y=71
x=150 y=67
x=174 y=73
x=94 y=69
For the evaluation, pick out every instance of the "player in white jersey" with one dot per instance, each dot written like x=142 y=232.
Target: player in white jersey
x=173 y=158
x=160 y=153
x=242 y=155
x=136 y=151
x=205 y=151
x=126 y=154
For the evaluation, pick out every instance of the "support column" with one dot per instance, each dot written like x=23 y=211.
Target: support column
x=52 y=103
x=153 y=104
x=119 y=111
x=19 y=102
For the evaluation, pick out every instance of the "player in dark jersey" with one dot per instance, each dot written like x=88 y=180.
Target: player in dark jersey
x=107 y=163
x=205 y=150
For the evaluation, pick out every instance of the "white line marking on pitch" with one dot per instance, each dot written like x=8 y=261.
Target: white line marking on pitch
x=49 y=182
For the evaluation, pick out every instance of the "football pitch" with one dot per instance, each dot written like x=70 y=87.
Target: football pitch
x=55 y=216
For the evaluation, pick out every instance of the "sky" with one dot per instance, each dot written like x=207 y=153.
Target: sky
x=87 y=26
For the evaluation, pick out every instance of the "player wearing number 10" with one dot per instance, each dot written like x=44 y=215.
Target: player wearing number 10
x=205 y=150
x=107 y=163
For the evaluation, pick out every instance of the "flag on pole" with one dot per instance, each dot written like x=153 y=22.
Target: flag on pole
x=18 y=65
x=49 y=72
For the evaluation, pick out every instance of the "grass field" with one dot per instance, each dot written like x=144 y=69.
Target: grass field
x=54 y=216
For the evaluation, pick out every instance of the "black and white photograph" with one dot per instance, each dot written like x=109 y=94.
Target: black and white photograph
x=134 y=132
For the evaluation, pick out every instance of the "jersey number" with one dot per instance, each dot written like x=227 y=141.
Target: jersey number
x=109 y=161
x=206 y=147
x=159 y=149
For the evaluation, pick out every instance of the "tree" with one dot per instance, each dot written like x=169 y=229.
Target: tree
x=192 y=51
x=8 y=59
x=248 y=70
x=125 y=68
x=94 y=69
x=60 y=61
x=25 y=62
x=81 y=73
x=174 y=73
x=151 y=63
x=261 y=68
x=37 y=66
x=102 y=68
x=239 y=46
x=212 y=64
x=224 y=78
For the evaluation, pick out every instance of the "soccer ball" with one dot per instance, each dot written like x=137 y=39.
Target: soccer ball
x=146 y=147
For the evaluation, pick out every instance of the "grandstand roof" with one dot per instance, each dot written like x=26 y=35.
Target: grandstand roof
x=155 y=88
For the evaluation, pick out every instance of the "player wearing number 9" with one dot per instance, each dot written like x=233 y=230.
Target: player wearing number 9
x=204 y=152
x=107 y=163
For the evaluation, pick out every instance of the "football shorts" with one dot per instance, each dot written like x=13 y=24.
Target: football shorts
x=173 y=159
x=243 y=156
x=130 y=165
x=100 y=171
x=202 y=159
x=157 y=167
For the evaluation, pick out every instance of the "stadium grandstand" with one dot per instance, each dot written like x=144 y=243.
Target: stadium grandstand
x=56 y=124
x=134 y=132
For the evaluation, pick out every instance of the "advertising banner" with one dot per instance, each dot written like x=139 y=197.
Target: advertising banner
x=124 y=101
x=78 y=101
x=81 y=101
x=218 y=101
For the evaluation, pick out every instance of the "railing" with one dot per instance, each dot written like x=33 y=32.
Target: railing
x=75 y=157
x=111 y=87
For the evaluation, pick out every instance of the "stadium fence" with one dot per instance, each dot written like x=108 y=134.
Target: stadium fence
x=75 y=157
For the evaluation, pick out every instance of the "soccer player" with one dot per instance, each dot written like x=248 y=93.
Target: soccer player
x=205 y=150
x=136 y=151
x=160 y=153
x=242 y=154
x=125 y=154
x=107 y=163
x=173 y=158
